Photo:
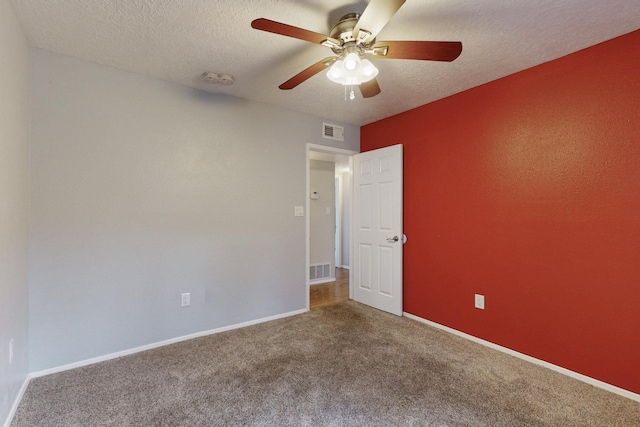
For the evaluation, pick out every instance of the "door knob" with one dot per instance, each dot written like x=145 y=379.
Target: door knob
x=392 y=239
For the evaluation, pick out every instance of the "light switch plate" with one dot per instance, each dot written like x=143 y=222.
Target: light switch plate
x=298 y=211
x=479 y=301
x=185 y=299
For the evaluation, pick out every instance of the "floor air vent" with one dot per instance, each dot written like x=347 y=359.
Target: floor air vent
x=319 y=271
x=332 y=132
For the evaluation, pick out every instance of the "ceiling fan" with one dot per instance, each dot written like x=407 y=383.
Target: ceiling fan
x=354 y=37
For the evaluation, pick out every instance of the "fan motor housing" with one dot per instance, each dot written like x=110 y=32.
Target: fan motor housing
x=343 y=30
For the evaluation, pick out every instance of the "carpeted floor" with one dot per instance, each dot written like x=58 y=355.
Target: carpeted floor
x=342 y=365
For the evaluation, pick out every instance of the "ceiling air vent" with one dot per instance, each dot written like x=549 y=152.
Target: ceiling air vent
x=332 y=132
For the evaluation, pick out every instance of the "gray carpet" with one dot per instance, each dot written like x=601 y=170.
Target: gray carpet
x=343 y=365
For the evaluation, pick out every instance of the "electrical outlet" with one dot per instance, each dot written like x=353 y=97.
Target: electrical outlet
x=479 y=301
x=11 y=351
x=185 y=299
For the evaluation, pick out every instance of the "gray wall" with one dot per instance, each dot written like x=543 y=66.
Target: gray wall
x=322 y=225
x=142 y=190
x=15 y=71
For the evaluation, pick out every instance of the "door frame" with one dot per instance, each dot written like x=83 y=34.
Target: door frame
x=328 y=150
x=337 y=184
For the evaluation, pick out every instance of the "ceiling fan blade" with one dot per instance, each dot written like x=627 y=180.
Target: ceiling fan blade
x=308 y=72
x=370 y=88
x=290 y=31
x=376 y=16
x=427 y=51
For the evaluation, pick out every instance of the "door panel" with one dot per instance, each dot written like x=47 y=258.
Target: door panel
x=363 y=280
x=377 y=228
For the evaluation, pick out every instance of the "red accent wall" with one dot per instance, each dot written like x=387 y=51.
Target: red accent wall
x=527 y=190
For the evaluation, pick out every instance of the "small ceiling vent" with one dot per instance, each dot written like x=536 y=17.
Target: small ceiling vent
x=217 y=78
x=332 y=132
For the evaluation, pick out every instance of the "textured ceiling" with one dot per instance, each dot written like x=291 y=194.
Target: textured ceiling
x=177 y=41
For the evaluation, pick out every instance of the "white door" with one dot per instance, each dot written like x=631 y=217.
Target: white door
x=377 y=229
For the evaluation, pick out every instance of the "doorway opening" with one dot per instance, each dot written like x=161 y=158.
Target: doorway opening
x=328 y=207
x=325 y=294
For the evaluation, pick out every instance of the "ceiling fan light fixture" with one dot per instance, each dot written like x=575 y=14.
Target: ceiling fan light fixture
x=352 y=70
x=369 y=71
x=335 y=72
x=352 y=61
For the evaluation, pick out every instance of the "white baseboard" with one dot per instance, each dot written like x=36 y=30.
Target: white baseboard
x=321 y=281
x=14 y=408
x=592 y=381
x=160 y=344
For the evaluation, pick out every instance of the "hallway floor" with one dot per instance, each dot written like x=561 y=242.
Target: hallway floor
x=330 y=293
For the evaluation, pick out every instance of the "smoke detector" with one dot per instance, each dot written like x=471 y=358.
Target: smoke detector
x=217 y=78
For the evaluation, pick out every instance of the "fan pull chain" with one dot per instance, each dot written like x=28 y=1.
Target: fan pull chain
x=352 y=94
